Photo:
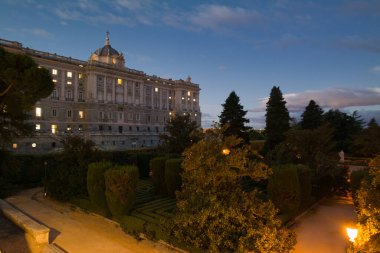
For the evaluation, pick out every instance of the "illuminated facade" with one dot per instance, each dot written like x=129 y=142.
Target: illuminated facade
x=102 y=100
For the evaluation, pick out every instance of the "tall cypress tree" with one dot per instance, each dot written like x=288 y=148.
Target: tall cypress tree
x=233 y=118
x=277 y=119
x=312 y=117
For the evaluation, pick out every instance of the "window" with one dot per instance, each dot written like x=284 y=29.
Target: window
x=68 y=128
x=81 y=114
x=54 y=80
x=34 y=145
x=80 y=75
x=69 y=94
x=80 y=96
x=54 y=112
x=14 y=145
x=109 y=128
x=54 y=94
x=188 y=93
x=100 y=128
x=69 y=82
x=69 y=74
x=80 y=127
x=194 y=99
x=38 y=127
x=120 y=129
x=137 y=128
x=69 y=113
x=156 y=89
x=54 y=129
x=38 y=111
x=130 y=128
x=54 y=72
x=119 y=81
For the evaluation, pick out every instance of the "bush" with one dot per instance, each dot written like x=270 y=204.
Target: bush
x=121 y=183
x=96 y=186
x=157 y=167
x=173 y=178
x=69 y=178
x=356 y=178
x=290 y=188
x=284 y=189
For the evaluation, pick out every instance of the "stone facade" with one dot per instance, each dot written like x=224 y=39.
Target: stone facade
x=102 y=100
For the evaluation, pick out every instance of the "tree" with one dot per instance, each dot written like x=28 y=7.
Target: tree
x=214 y=212
x=22 y=84
x=233 y=118
x=312 y=117
x=345 y=128
x=182 y=132
x=277 y=119
x=367 y=141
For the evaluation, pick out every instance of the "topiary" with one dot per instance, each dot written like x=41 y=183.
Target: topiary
x=121 y=183
x=173 y=178
x=96 y=186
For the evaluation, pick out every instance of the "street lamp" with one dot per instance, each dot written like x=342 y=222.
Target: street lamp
x=45 y=180
x=352 y=234
x=226 y=151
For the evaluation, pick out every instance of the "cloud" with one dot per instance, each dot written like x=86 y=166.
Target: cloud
x=38 y=32
x=371 y=44
x=215 y=16
x=133 y=5
x=336 y=98
x=376 y=69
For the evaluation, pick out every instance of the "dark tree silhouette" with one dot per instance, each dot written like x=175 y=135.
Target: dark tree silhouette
x=232 y=118
x=312 y=117
x=22 y=84
x=277 y=119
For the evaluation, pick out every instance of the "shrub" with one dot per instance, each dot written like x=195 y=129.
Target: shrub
x=96 y=186
x=356 y=178
x=143 y=163
x=121 y=183
x=157 y=167
x=290 y=188
x=173 y=175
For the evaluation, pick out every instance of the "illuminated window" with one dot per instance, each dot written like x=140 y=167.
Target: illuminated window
x=80 y=127
x=54 y=80
x=14 y=145
x=81 y=114
x=54 y=129
x=183 y=98
x=119 y=81
x=34 y=145
x=69 y=74
x=156 y=89
x=170 y=97
x=68 y=128
x=188 y=93
x=170 y=113
x=54 y=71
x=38 y=111
x=80 y=75
x=38 y=127
x=195 y=115
x=194 y=99
x=69 y=82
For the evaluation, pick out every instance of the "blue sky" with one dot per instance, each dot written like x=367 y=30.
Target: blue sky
x=328 y=51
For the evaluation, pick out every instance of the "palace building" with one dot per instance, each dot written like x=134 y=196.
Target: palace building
x=104 y=101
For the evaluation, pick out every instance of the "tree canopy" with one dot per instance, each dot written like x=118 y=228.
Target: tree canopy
x=214 y=212
x=276 y=119
x=22 y=84
x=182 y=132
x=367 y=141
x=233 y=118
x=312 y=117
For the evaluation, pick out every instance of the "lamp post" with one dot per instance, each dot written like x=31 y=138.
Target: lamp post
x=226 y=151
x=352 y=233
x=45 y=180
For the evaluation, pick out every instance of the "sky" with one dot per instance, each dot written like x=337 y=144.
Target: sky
x=326 y=50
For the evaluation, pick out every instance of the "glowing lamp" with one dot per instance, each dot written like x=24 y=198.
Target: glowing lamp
x=226 y=151
x=352 y=234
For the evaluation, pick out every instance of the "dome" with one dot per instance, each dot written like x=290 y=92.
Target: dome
x=106 y=50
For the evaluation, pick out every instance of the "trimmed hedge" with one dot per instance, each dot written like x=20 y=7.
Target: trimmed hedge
x=96 y=186
x=290 y=188
x=157 y=167
x=173 y=178
x=121 y=183
x=356 y=178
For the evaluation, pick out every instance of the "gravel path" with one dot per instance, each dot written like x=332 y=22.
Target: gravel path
x=75 y=231
x=323 y=228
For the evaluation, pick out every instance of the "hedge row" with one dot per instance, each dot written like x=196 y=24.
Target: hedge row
x=166 y=174
x=290 y=188
x=112 y=189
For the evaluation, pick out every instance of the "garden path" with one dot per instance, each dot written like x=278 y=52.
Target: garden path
x=76 y=231
x=322 y=229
